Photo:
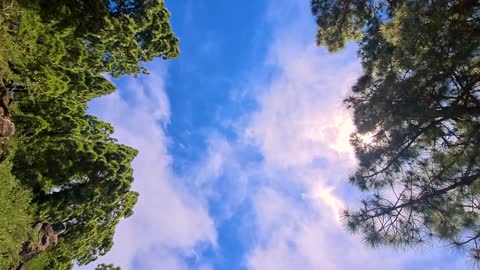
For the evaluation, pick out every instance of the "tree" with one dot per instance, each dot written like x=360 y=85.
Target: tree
x=417 y=113
x=46 y=46
x=53 y=57
x=14 y=229
x=80 y=176
x=112 y=36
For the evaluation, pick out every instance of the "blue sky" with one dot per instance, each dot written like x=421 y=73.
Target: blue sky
x=244 y=150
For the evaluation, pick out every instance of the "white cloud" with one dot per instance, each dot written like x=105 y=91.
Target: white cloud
x=327 y=197
x=301 y=130
x=169 y=222
x=301 y=117
x=296 y=237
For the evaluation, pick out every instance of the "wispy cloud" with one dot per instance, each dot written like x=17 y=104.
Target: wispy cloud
x=169 y=222
x=284 y=167
x=301 y=131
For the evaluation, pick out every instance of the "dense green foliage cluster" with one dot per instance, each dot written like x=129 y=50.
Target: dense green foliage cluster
x=15 y=219
x=417 y=113
x=66 y=168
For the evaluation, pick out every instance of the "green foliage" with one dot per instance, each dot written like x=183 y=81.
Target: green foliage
x=417 y=111
x=14 y=228
x=110 y=36
x=339 y=21
x=52 y=56
x=45 y=261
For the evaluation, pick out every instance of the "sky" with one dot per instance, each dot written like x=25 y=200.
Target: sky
x=244 y=149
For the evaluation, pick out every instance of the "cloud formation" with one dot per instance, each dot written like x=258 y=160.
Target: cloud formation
x=169 y=222
x=284 y=168
x=301 y=131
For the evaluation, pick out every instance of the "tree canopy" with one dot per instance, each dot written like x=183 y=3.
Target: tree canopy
x=53 y=57
x=417 y=112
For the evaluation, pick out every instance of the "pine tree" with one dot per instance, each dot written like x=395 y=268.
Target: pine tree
x=417 y=113
x=53 y=57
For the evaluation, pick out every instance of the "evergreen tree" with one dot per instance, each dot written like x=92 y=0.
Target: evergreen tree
x=81 y=177
x=111 y=36
x=417 y=113
x=14 y=216
x=53 y=57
